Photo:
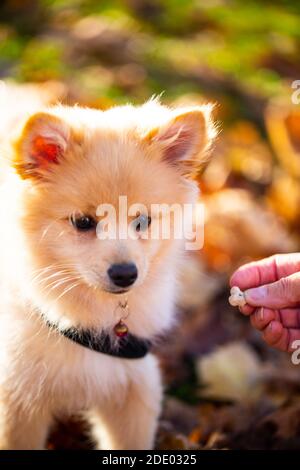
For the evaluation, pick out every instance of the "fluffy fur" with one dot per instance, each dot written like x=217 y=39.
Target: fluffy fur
x=65 y=160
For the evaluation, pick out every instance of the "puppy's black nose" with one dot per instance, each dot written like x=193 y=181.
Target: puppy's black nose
x=123 y=275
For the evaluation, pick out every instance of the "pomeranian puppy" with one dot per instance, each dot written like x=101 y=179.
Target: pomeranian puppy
x=78 y=312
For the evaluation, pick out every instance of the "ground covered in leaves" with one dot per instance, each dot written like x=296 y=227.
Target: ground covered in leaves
x=225 y=389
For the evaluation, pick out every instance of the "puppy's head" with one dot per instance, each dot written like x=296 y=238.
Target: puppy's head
x=81 y=169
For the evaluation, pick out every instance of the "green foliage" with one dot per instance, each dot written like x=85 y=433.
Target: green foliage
x=255 y=44
x=41 y=60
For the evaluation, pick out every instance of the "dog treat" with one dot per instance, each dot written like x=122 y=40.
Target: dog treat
x=237 y=297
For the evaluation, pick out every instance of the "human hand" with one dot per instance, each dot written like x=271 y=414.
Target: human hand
x=272 y=291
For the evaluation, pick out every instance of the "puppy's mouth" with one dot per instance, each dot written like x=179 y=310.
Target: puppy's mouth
x=116 y=290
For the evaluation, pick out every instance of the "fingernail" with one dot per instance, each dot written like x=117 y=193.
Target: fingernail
x=261 y=313
x=255 y=295
x=270 y=326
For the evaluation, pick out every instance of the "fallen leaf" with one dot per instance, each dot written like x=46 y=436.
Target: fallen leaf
x=232 y=372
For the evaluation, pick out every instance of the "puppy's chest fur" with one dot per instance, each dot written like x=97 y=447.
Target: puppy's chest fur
x=45 y=370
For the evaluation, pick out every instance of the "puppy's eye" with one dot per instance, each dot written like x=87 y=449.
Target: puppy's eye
x=141 y=223
x=83 y=223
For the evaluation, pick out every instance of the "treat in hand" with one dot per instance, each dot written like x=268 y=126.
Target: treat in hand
x=237 y=297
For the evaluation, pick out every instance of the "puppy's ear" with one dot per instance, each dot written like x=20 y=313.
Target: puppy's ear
x=41 y=146
x=184 y=139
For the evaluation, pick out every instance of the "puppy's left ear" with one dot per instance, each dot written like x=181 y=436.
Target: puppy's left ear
x=184 y=139
x=41 y=146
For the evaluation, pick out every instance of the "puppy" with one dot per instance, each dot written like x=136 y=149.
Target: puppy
x=78 y=311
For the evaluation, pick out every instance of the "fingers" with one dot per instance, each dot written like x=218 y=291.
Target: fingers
x=280 y=328
x=265 y=271
x=261 y=318
x=273 y=285
x=280 y=294
x=289 y=318
x=276 y=335
x=246 y=310
x=279 y=337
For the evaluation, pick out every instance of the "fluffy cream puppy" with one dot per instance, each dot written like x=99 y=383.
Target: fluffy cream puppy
x=61 y=285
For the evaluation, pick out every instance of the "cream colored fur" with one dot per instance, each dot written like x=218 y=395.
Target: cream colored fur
x=47 y=267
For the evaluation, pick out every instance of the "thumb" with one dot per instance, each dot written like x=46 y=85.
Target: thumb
x=280 y=294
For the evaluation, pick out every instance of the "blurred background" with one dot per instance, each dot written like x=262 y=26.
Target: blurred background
x=225 y=388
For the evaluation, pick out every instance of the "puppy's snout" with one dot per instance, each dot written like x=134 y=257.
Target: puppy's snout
x=123 y=275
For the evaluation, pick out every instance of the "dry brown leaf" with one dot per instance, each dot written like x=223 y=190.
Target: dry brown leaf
x=239 y=228
x=232 y=372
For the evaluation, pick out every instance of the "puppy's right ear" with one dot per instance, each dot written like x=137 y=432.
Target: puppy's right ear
x=41 y=146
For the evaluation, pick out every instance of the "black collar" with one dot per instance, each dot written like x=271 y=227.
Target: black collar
x=127 y=347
